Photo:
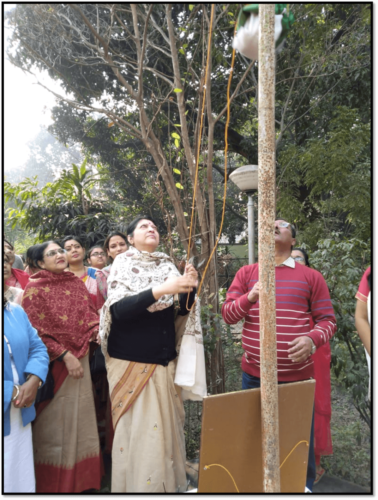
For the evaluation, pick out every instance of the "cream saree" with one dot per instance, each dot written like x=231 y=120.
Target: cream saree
x=149 y=443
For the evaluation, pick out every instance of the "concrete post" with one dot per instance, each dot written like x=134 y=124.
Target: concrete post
x=266 y=161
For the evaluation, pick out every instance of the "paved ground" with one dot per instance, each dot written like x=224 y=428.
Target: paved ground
x=332 y=484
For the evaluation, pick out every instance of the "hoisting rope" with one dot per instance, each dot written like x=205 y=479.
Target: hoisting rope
x=200 y=132
x=225 y=158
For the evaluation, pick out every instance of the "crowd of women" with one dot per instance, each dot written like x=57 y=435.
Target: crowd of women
x=66 y=400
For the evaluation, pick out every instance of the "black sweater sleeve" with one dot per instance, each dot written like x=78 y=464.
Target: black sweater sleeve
x=183 y=298
x=130 y=307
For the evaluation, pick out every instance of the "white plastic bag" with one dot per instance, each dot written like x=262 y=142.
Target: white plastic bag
x=246 y=40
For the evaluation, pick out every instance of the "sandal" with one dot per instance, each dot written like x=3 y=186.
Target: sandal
x=319 y=475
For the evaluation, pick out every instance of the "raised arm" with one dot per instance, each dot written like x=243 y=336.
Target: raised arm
x=237 y=303
x=322 y=312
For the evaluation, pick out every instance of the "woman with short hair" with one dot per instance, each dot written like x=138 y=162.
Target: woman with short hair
x=66 y=443
x=138 y=337
x=96 y=257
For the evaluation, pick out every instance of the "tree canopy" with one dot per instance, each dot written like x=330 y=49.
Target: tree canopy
x=141 y=69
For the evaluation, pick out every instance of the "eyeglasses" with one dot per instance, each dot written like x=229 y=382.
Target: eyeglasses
x=54 y=252
x=284 y=224
x=97 y=254
x=298 y=259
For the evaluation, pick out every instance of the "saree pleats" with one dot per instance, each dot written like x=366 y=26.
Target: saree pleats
x=149 y=445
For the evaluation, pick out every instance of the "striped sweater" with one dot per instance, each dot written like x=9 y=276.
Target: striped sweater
x=301 y=294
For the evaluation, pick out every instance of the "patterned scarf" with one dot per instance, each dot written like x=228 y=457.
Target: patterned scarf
x=101 y=279
x=60 y=308
x=133 y=272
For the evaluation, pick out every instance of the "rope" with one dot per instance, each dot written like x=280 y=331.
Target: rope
x=229 y=473
x=200 y=131
x=225 y=159
x=292 y=451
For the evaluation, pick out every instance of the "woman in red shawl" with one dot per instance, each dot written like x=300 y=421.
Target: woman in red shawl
x=65 y=438
x=322 y=403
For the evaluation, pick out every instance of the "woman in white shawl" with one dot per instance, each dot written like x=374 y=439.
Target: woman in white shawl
x=145 y=292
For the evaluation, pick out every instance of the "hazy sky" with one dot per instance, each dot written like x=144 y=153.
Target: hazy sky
x=26 y=107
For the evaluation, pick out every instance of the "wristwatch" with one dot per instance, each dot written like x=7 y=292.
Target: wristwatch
x=313 y=348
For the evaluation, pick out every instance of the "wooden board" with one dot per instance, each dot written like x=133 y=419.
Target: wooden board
x=231 y=437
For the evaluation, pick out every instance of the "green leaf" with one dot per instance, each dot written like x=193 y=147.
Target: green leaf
x=186 y=214
x=75 y=170
x=179 y=186
x=191 y=7
x=186 y=112
x=177 y=125
x=177 y=91
x=230 y=14
x=176 y=171
x=182 y=51
x=83 y=169
x=177 y=143
x=175 y=135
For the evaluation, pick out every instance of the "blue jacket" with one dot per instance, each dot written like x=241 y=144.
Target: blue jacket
x=29 y=354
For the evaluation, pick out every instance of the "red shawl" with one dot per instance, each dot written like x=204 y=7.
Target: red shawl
x=60 y=308
x=21 y=276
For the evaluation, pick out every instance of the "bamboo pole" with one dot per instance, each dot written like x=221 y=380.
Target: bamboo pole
x=266 y=214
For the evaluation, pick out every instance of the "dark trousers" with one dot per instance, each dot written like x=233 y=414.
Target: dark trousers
x=251 y=382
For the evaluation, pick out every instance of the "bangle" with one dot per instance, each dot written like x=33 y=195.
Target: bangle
x=60 y=358
x=18 y=392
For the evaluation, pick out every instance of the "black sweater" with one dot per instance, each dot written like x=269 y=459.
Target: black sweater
x=138 y=335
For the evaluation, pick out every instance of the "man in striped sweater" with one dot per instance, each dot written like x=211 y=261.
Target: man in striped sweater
x=304 y=317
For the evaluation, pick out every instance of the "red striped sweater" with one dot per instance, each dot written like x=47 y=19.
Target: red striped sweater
x=301 y=294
